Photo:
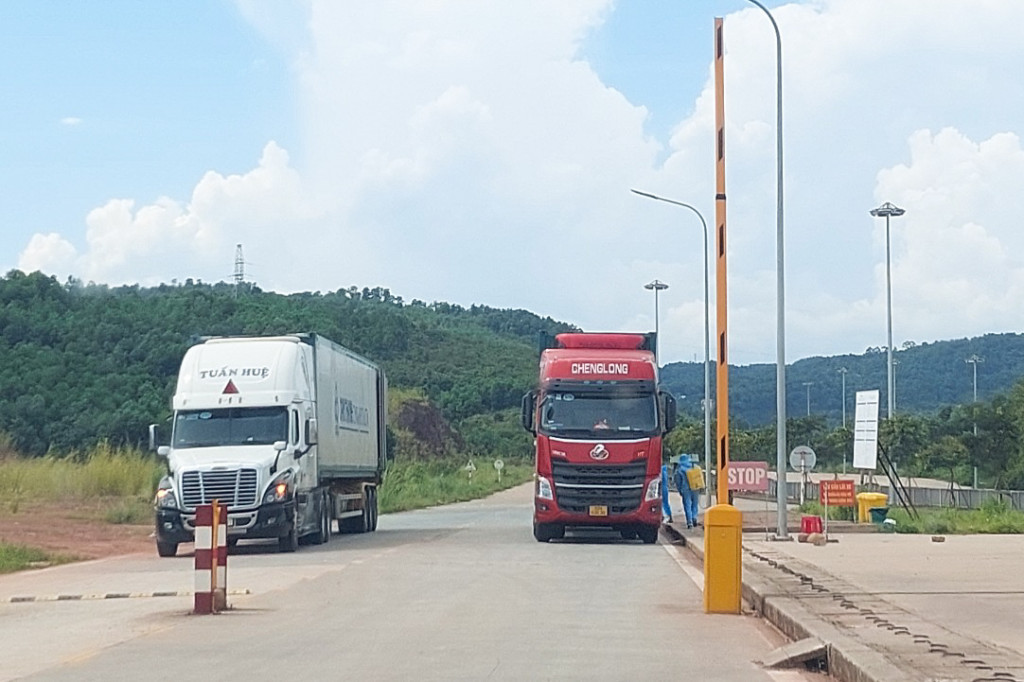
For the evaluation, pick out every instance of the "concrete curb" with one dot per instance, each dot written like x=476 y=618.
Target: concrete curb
x=848 y=659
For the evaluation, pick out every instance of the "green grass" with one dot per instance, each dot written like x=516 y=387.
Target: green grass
x=104 y=472
x=994 y=517
x=834 y=513
x=415 y=484
x=19 y=557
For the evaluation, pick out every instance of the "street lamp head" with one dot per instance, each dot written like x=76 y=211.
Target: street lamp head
x=887 y=210
x=656 y=285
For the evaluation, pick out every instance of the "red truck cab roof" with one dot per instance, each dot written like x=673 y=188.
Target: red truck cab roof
x=599 y=357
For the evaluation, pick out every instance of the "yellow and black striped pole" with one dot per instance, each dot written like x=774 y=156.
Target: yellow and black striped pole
x=723 y=524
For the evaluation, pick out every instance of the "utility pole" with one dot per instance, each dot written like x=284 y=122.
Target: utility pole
x=807 y=385
x=842 y=371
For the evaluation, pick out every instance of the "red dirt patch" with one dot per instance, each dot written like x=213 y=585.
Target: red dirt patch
x=77 y=531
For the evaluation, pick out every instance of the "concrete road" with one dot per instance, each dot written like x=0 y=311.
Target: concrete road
x=459 y=592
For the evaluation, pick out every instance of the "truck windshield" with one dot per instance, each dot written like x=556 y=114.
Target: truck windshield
x=230 y=426
x=598 y=414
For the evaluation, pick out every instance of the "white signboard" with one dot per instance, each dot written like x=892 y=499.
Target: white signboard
x=865 y=431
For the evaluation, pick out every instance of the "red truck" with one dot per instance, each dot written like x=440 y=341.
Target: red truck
x=598 y=416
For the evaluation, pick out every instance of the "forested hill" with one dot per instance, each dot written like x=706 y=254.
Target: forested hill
x=928 y=377
x=84 y=363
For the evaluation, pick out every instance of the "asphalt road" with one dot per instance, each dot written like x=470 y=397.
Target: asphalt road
x=458 y=592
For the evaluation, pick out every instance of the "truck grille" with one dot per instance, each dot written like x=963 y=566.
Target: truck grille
x=235 y=488
x=620 y=487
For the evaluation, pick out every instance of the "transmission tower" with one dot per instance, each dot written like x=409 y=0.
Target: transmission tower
x=239 y=268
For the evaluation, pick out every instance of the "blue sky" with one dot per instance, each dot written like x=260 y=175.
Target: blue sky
x=483 y=152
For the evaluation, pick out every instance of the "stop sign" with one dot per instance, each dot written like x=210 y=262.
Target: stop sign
x=750 y=476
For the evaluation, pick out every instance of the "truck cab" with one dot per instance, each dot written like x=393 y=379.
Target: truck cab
x=598 y=418
x=244 y=433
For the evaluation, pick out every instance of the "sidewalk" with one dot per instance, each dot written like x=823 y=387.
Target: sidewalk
x=888 y=606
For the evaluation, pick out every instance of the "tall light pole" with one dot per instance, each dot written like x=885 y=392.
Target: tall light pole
x=780 y=295
x=807 y=385
x=707 y=340
x=887 y=211
x=656 y=286
x=974 y=360
x=842 y=372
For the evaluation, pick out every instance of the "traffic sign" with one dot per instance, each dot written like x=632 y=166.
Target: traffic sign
x=802 y=458
x=499 y=465
x=837 y=493
x=750 y=476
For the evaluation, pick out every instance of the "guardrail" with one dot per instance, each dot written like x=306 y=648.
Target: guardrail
x=962 y=498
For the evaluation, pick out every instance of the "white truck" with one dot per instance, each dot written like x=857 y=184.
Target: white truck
x=287 y=431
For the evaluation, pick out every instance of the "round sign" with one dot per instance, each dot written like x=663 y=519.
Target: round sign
x=802 y=458
x=499 y=465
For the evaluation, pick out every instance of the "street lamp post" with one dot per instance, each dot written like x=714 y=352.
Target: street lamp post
x=656 y=286
x=842 y=372
x=974 y=360
x=707 y=341
x=780 y=296
x=887 y=211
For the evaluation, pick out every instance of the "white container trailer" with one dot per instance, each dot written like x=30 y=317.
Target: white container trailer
x=287 y=431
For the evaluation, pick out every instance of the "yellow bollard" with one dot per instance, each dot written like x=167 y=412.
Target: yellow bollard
x=723 y=559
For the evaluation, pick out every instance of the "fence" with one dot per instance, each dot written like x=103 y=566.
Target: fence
x=962 y=498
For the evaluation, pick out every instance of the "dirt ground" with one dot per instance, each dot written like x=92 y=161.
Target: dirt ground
x=79 y=532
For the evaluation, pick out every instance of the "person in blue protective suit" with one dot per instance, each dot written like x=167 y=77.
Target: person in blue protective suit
x=690 y=496
x=666 y=508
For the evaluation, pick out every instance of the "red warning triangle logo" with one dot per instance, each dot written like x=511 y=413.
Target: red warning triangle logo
x=230 y=388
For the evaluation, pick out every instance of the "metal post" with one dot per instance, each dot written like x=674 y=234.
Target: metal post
x=842 y=373
x=974 y=360
x=780 y=295
x=887 y=211
x=656 y=286
x=807 y=385
x=707 y=342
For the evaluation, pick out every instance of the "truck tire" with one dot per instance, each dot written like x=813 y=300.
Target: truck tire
x=543 y=532
x=323 y=533
x=649 y=534
x=374 y=512
x=290 y=542
x=166 y=549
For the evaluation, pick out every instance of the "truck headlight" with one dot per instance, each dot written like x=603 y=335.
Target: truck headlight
x=165 y=498
x=544 y=490
x=280 y=489
x=653 y=490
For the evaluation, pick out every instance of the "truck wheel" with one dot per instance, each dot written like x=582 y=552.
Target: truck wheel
x=323 y=534
x=373 y=509
x=166 y=549
x=649 y=534
x=290 y=542
x=628 y=533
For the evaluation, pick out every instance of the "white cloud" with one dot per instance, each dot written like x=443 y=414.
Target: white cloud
x=463 y=152
x=70 y=121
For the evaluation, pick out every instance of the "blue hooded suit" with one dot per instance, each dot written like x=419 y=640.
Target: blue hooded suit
x=690 y=497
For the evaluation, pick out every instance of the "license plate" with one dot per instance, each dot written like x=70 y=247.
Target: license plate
x=598 y=510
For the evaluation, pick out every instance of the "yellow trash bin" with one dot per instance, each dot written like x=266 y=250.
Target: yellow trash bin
x=866 y=501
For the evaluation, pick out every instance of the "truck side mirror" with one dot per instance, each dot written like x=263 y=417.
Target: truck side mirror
x=669 y=410
x=152 y=436
x=311 y=432
x=528 y=410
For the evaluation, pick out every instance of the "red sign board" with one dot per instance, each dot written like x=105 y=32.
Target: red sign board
x=837 y=493
x=750 y=476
